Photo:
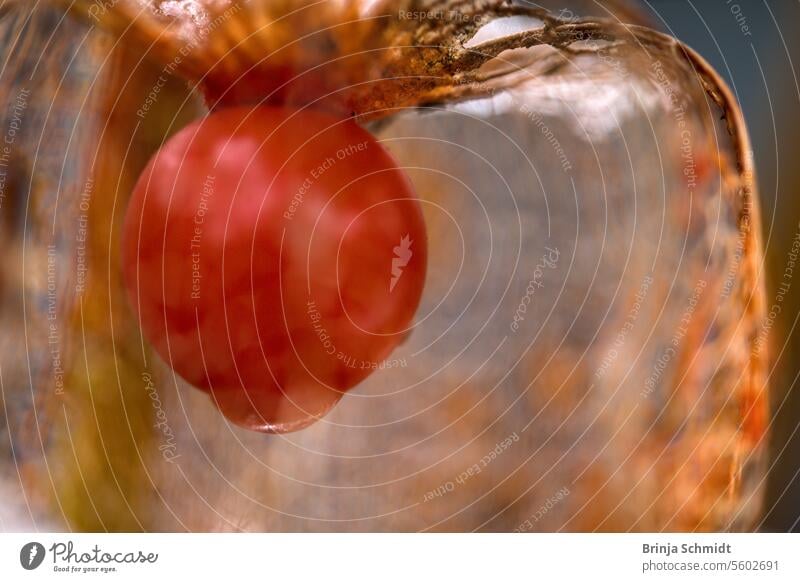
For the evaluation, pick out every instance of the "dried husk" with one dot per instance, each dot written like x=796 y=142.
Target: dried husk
x=93 y=456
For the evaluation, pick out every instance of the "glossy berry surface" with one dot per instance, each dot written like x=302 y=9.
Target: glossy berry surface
x=274 y=257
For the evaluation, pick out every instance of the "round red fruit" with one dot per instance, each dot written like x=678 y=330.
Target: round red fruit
x=274 y=257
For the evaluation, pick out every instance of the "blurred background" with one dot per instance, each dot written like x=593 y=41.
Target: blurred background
x=755 y=46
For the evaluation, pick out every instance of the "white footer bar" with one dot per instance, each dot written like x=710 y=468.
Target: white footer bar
x=402 y=557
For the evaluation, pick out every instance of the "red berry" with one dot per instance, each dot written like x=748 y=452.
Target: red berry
x=274 y=257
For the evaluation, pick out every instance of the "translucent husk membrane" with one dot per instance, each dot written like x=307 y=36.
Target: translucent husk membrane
x=594 y=310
